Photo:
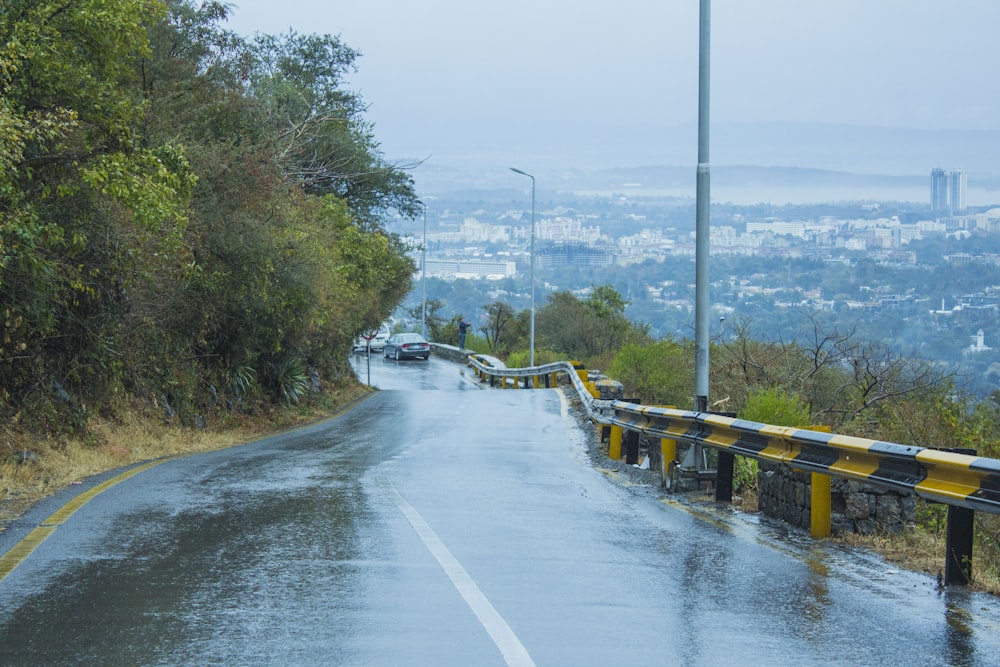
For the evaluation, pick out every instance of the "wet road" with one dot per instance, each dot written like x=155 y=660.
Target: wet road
x=441 y=524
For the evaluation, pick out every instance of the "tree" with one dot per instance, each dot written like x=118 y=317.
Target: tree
x=78 y=191
x=842 y=377
x=498 y=316
x=182 y=209
x=324 y=142
x=661 y=373
x=590 y=330
x=433 y=317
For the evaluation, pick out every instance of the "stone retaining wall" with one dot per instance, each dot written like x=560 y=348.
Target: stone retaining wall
x=449 y=352
x=856 y=507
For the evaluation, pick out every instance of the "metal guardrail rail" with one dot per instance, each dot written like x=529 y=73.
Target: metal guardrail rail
x=962 y=480
x=965 y=482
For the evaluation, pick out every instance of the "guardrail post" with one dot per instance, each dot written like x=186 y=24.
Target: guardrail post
x=668 y=450
x=958 y=546
x=724 y=477
x=615 y=443
x=632 y=447
x=819 y=509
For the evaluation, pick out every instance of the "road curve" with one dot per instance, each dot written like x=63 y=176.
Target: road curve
x=438 y=523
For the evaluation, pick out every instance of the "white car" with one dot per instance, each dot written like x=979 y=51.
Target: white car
x=377 y=343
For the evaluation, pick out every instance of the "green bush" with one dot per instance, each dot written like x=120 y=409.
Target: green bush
x=767 y=406
x=521 y=358
x=659 y=374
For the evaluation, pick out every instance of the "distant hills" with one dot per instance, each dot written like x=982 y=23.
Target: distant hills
x=750 y=163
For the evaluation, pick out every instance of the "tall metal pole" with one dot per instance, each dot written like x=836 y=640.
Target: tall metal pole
x=531 y=344
x=423 y=279
x=702 y=305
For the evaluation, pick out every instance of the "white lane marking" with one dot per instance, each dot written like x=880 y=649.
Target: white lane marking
x=510 y=646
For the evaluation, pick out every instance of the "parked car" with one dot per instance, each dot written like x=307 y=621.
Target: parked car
x=406 y=346
x=377 y=343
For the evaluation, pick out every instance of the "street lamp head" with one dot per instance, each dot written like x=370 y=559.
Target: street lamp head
x=523 y=173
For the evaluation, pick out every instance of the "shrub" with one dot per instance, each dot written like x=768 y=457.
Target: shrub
x=767 y=406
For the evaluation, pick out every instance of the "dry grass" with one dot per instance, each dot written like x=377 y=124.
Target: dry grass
x=920 y=550
x=136 y=434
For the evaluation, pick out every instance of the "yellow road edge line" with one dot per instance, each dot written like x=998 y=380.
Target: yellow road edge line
x=23 y=549
x=20 y=551
x=60 y=516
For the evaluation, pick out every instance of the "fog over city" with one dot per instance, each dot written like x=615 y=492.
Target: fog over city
x=895 y=87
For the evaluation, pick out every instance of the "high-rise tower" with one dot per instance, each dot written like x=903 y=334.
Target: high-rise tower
x=956 y=190
x=948 y=191
x=939 y=191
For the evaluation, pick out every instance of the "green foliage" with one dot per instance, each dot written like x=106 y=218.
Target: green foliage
x=522 y=358
x=661 y=373
x=182 y=208
x=591 y=330
x=291 y=380
x=767 y=406
x=775 y=406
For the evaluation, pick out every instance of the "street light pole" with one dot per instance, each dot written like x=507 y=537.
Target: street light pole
x=702 y=201
x=423 y=278
x=531 y=344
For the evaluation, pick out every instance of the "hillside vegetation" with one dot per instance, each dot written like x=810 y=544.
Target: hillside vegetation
x=188 y=218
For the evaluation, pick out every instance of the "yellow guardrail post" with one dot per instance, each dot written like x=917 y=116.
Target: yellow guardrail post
x=534 y=381
x=615 y=443
x=668 y=450
x=820 y=503
x=819 y=510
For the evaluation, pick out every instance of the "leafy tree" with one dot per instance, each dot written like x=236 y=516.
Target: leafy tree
x=78 y=189
x=661 y=373
x=180 y=208
x=498 y=316
x=589 y=330
x=433 y=317
x=324 y=143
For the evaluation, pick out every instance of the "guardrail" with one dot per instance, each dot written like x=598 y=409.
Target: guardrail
x=965 y=482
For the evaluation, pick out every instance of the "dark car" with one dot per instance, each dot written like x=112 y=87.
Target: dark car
x=406 y=346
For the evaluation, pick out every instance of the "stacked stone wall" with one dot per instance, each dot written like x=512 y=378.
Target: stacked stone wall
x=856 y=507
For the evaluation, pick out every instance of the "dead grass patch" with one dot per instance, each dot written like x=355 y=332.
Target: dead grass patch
x=919 y=550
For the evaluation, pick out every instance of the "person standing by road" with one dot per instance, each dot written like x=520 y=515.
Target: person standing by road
x=463 y=326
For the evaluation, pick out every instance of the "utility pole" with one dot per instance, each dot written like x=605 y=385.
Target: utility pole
x=702 y=305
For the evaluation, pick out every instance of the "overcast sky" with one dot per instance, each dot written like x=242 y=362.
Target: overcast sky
x=443 y=76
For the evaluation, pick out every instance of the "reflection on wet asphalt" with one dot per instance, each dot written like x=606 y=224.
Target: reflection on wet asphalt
x=441 y=524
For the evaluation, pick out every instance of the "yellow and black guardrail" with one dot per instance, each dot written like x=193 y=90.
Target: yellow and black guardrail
x=962 y=480
x=965 y=482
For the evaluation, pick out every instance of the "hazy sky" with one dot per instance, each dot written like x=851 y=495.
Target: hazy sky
x=446 y=76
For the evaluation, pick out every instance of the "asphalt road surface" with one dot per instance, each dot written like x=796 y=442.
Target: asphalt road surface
x=439 y=523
